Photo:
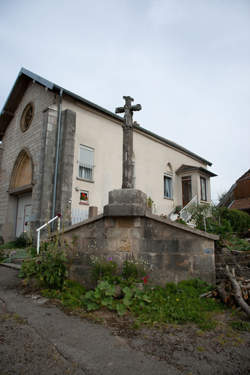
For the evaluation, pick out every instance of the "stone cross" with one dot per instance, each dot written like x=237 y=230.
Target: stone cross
x=128 y=165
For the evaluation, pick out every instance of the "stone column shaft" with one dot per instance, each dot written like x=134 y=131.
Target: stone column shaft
x=127 y=166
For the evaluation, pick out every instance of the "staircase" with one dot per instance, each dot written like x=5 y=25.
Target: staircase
x=185 y=213
x=14 y=257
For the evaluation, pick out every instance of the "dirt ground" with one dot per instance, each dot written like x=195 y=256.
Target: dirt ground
x=38 y=338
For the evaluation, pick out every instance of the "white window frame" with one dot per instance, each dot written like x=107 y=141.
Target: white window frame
x=169 y=177
x=203 y=192
x=86 y=170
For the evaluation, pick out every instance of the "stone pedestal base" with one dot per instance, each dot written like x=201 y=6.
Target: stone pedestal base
x=126 y=202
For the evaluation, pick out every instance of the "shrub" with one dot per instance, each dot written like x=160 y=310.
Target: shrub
x=132 y=270
x=70 y=295
x=129 y=270
x=1 y=255
x=32 y=251
x=239 y=221
x=23 y=240
x=181 y=221
x=220 y=220
x=50 y=268
x=1 y=241
x=102 y=268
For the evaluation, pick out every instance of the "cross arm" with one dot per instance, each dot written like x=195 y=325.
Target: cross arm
x=136 y=107
x=119 y=110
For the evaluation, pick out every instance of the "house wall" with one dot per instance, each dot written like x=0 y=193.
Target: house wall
x=14 y=141
x=105 y=136
x=80 y=126
x=151 y=158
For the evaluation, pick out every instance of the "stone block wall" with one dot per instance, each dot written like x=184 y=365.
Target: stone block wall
x=239 y=260
x=66 y=166
x=14 y=141
x=175 y=252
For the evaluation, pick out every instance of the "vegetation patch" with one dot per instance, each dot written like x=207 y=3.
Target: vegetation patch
x=229 y=224
x=241 y=325
x=176 y=304
x=24 y=240
x=49 y=269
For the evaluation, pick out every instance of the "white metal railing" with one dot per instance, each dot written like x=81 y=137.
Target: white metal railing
x=57 y=217
x=185 y=214
x=79 y=214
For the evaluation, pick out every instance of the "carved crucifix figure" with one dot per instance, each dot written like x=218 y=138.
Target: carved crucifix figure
x=128 y=166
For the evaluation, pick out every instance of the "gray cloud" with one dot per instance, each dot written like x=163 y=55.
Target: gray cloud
x=186 y=62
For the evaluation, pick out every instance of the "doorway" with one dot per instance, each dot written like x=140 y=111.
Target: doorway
x=186 y=190
x=23 y=214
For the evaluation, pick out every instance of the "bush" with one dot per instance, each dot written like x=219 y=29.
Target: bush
x=70 y=295
x=23 y=240
x=220 y=220
x=1 y=255
x=132 y=270
x=239 y=221
x=102 y=268
x=49 y=269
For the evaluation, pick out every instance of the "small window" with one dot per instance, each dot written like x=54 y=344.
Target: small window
x=203 y=189
x=84 y=197
x=168 y=187
x=86 y=163
x=27 y=117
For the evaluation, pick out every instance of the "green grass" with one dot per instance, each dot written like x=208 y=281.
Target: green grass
x=70 y=295
x=241 y=326
x=8 y=245
x=176 y=304
x=239 y=244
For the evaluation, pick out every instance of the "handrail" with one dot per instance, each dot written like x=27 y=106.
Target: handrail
x=57 y=217
x=184 y=214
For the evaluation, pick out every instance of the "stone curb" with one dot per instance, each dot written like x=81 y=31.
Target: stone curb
x=11 y=265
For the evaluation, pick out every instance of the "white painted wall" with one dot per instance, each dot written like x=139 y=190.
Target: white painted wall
x=104 y=135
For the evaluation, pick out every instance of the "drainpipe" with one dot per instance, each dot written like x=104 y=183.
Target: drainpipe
x=59 y=125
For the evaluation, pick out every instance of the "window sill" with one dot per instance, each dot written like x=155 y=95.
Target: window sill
x=169 y=199
x=85 y=180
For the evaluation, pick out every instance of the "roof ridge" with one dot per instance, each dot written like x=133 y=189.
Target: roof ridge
x=52 y=86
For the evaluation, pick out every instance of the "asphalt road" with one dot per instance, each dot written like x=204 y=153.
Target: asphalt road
x=36 y=338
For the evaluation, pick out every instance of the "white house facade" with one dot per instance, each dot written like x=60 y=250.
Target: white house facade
x=62 y=153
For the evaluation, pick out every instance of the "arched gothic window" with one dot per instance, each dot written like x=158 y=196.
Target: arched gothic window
x=22 y=171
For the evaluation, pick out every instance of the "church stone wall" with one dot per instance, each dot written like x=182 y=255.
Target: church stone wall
x=14 y=141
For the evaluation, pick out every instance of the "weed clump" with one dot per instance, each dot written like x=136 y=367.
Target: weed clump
x=49 y=269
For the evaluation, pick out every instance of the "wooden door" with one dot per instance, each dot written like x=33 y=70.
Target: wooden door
x=186 y=190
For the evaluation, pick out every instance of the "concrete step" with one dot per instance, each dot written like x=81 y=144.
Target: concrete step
x=11 y=265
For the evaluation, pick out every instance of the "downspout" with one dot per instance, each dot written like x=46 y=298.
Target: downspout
x=59 y=126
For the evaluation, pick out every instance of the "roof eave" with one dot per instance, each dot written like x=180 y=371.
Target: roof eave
x=28 y=75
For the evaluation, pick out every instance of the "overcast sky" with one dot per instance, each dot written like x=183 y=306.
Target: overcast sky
x=187 y=62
